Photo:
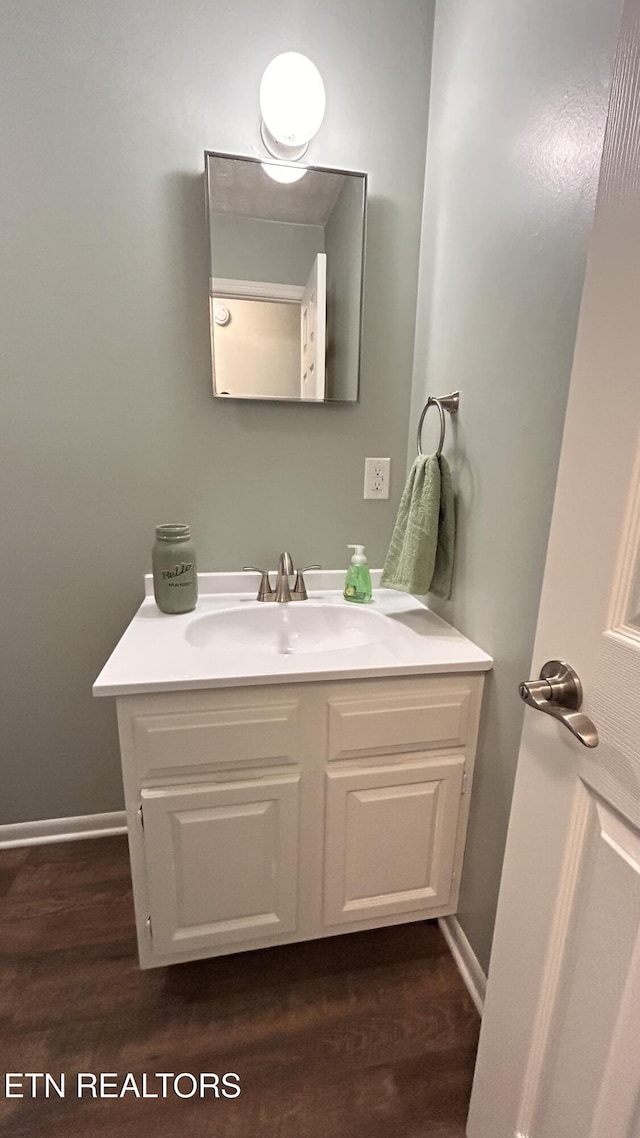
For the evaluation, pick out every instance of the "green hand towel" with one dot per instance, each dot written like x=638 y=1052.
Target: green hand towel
x=420 y=557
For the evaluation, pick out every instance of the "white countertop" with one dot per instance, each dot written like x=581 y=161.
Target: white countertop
x=155 y=653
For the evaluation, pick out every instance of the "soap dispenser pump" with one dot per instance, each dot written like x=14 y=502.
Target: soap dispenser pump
x=357 y=586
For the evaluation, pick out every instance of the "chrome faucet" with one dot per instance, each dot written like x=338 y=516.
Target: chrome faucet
x=283 y=592
x=285 y=569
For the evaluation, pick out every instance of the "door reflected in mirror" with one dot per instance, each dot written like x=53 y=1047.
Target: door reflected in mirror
x=286 y=278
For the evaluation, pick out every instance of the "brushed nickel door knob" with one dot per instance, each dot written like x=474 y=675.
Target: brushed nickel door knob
x=558 y=692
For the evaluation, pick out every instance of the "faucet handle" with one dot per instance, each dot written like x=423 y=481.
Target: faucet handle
x=299 y=591
x=264 y=589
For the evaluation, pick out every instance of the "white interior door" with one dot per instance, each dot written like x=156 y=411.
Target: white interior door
x=559 y=1052
x=313 y=331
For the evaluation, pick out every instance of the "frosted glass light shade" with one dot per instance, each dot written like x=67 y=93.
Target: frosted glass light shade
x=292 y=104
x=284 y=174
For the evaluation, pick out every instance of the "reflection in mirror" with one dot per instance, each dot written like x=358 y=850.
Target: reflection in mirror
x=285 y=289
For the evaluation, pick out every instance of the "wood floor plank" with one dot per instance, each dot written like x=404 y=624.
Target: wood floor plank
x=370 y=1035
x=10 y=863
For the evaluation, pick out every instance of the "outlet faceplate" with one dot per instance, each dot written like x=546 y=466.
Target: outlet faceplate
x=376 y=477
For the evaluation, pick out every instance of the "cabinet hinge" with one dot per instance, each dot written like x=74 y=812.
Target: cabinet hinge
x=141 y=817
x=464 y=783
x=454 y=880
x=149 y=928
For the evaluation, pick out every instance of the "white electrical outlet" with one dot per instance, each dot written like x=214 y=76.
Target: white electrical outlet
x=376 y=477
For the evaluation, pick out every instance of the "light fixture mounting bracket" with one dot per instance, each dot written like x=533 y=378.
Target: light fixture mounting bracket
x=280 y=149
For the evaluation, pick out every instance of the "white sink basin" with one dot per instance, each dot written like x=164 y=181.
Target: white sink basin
x=233 y=640
x=281 y=629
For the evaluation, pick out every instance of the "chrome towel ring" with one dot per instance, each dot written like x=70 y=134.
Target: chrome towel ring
x=444 y=403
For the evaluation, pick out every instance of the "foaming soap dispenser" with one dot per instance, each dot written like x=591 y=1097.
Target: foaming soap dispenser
x=357 y=586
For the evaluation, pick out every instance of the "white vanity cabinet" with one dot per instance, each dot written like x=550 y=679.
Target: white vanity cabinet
x=275 y=813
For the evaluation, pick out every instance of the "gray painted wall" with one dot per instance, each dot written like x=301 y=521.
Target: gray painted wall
x=343 y=242
x=247 y=248
x=108 y=421
x=518 y=104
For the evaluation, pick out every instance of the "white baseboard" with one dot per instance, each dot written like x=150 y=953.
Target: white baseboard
x=63 y=829
x=468 y=964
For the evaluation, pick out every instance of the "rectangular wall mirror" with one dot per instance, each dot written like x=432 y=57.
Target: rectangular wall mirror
x=286 y=278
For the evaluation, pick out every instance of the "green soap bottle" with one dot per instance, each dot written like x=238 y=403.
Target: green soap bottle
x=357 y=586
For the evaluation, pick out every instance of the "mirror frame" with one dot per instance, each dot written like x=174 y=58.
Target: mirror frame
x=208 y=154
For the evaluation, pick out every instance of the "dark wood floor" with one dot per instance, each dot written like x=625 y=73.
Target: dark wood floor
x=371 y=1035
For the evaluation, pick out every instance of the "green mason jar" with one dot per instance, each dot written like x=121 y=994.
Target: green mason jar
x=175 y=574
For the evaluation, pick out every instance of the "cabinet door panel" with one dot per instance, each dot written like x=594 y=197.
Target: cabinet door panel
x=221 y=862
x=390 y=838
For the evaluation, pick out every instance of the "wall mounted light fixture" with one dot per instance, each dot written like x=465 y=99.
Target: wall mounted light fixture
x=292 y=104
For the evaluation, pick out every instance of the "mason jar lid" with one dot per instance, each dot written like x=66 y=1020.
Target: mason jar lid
x=173 y=531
